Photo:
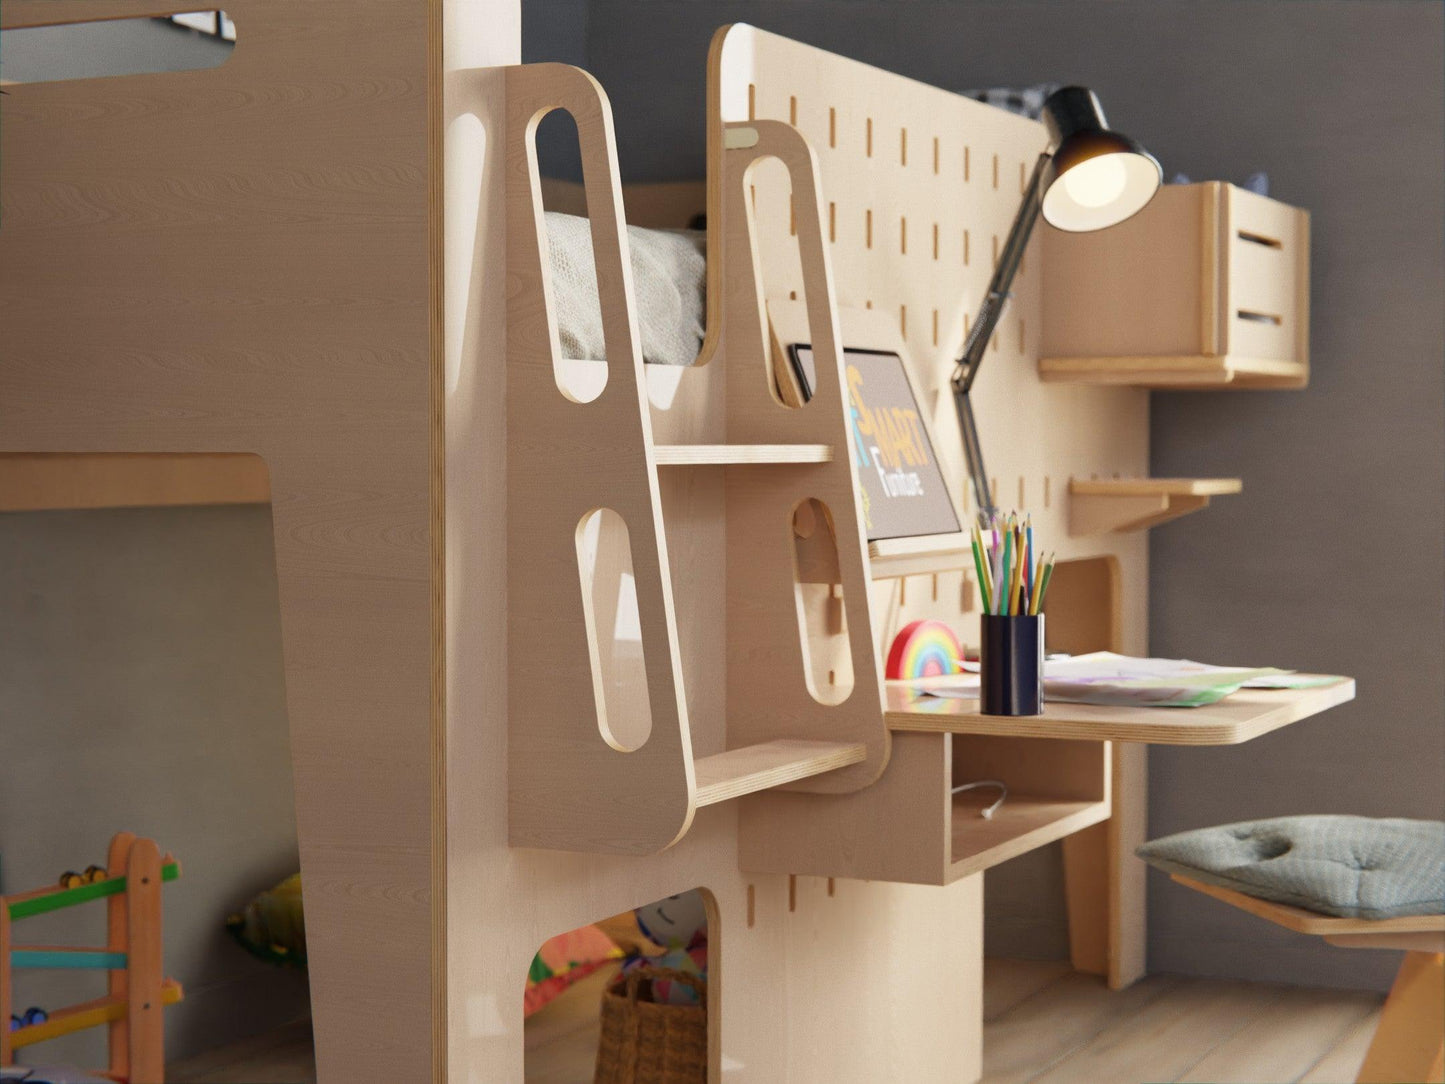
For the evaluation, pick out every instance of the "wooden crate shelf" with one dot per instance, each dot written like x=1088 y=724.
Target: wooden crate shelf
x=710 y=455
x=910 y=826
x=1207 y=287
x=1099 y=506
x=1020 y=825
x=1238 y=718
x=752 y=768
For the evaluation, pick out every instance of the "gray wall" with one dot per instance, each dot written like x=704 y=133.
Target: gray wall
x=141 y=687
x=1341 y=102
x=118 y=47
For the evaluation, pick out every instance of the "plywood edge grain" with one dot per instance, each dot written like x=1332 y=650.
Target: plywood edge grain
x=1311 y=922
x=33 y=482
x=1200 y=487
x=1241 y=717
x=770 y=764
x=685 y=455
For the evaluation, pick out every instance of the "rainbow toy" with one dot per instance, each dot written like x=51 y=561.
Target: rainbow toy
x=923 y=649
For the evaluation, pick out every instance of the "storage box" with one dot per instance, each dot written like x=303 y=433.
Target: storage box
x=1207 y=287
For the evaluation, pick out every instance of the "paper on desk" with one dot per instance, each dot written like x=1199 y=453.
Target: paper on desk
x=1103 y=677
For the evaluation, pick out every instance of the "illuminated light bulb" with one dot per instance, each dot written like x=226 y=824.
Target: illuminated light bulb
x=1096 y=182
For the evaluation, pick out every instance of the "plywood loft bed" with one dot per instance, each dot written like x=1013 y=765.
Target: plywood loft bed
x=329 y=253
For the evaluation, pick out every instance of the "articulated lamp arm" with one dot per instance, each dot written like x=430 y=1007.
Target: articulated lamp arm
x=966 y=368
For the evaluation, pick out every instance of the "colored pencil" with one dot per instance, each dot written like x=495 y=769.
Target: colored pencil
x=1004 y=582
x=1013 y=584
x=1038 y=587
x=1030 y=569
x=1044 y=586
x=983 y=584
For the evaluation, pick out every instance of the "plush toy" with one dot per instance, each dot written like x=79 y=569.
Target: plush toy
x=679 y=924
x=273 y=925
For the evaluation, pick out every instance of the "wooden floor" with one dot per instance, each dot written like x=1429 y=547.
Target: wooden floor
x=1043 y=1022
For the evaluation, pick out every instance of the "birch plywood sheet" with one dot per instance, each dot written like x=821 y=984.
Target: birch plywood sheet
x=503 y=901
x=919 y=189
x=237 y=260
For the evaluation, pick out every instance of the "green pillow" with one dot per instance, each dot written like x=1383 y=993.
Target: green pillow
x=1349 y=867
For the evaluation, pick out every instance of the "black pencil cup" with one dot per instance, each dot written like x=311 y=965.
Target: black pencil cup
x=1011 y=664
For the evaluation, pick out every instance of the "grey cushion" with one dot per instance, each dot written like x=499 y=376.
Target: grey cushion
x=669 y=283
x=1351 y=867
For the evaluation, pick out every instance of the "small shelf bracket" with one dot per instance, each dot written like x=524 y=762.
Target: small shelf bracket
x=1136 y=504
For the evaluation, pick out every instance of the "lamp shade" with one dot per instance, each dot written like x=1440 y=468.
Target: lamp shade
x=1097 y=177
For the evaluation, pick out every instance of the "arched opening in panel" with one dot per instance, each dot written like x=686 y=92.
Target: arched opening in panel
x=569 y=268
x=626 y=997
x=778 y=272
x=818 y=593
x=614 y=630
x=145 y=721
x=142 y=45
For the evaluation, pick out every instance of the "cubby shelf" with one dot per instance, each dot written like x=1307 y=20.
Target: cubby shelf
x=1021 y=824
x=1238 y=718
x=1101 y=505
x=752 y=768
x=1207 y=287
x=709 y=455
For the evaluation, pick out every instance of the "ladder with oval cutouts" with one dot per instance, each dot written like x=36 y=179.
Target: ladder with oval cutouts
x=664 y=652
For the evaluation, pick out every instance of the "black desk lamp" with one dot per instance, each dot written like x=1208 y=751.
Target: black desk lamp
x=1089 y=178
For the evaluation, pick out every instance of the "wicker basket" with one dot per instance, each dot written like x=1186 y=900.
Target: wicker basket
x=643 y=1042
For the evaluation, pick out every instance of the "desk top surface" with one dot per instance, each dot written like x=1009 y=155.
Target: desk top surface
x=1237 y=718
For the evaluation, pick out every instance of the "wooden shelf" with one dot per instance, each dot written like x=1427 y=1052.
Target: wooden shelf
x=1020 y=825
x=1238 y=718
x=752 y=768
x=716 y=455
x=1099 y=506
x=1200 y=373
x=891 y=558
x=1207 y=287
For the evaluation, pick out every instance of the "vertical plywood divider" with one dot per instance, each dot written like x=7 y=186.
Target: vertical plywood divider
x=917 y=184
x=568 y=788
x=768 y=663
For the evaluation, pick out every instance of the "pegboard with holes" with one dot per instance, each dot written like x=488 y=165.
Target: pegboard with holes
x=920 y=187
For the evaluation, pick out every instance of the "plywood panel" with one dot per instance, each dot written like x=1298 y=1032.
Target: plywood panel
x=901 y=164
x=30 y=483
x=237 y=261
x=771 y=1020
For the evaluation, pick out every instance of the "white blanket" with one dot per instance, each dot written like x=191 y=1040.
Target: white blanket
x=669 y=272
